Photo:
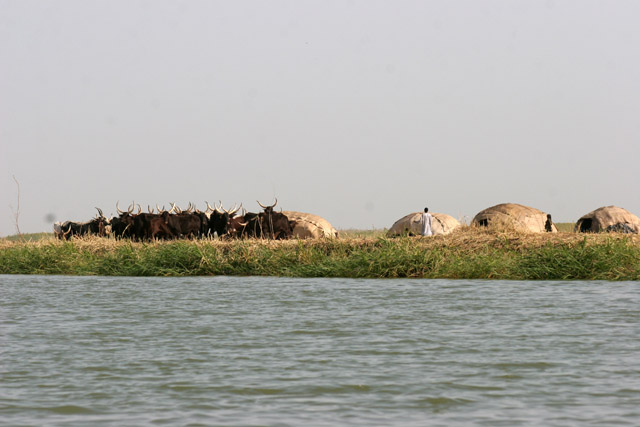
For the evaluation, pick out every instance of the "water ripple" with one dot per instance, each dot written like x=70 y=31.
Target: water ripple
x=268 y=351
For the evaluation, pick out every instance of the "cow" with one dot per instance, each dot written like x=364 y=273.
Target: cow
x=68 y=229
x=123 y=225
x=220 y=219
x=238 y=224
x=139 y=226
x=164 y=225
x=185 y=224
x=267 y=224
x=158 y=227
x=62 y=230
x=151 y=225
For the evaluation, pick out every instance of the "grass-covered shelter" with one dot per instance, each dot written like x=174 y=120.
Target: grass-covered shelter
x=608 y=219
x=513 y=215
x=412 y=224
x=309 y=226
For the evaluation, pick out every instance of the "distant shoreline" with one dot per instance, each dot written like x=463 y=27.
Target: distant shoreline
x=470 y=253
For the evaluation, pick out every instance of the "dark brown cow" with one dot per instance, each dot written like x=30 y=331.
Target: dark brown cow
x=185 y=224
x=69 y=229
x=220 y=220
x=267 y=224
x=159 y=227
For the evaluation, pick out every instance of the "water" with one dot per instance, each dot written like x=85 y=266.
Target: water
x=273 y=351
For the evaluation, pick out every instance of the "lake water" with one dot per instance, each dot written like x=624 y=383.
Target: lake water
x=278 y=351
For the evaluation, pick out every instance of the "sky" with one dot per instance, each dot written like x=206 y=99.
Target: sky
x=358 y=111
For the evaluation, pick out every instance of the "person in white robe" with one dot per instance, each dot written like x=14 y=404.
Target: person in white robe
x=427 y=219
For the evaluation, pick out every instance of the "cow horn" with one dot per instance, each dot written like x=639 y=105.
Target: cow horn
x=209 y=208
x=158 y=208
x=131 y=207
x=190 y=208
x=120 y=211
x=100 y=212
x=233 y=211
x=219 y=209
x=266 y=207
x=176 y=209
x=150 y=210
x=139 y=209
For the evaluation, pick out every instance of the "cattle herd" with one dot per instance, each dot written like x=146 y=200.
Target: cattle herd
x=176 y=223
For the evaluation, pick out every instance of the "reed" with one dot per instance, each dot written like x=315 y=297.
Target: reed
x=469 y=253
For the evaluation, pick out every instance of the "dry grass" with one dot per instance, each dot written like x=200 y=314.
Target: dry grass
x=469 y=252
x=466 y=237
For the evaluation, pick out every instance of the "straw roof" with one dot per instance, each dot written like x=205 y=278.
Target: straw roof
x=412 y=224
x=523 y=218
x=609 y=218
x=309 y=226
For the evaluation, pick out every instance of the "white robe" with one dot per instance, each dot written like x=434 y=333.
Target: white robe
x=426 y=224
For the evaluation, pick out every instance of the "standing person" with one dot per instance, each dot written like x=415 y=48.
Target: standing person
x=548 y=225
x=426 y=223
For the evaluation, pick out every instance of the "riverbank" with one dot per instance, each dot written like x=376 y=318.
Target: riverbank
x=470 y=254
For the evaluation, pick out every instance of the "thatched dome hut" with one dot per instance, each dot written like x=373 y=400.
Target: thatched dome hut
x=607 y=219
x=309 y=226
x=412 y=224
x=523 y=218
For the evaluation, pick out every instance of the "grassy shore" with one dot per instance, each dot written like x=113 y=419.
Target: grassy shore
x=468 y=253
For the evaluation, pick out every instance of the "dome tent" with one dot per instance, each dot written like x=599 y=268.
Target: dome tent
x=607 y=219
x=412 y=224
x=309 y=226
x=522 y=218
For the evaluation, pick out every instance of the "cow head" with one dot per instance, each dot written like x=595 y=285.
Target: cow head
x=220 y=219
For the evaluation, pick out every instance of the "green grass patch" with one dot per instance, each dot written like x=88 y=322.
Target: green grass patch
x=466 y=254
x=565 y=227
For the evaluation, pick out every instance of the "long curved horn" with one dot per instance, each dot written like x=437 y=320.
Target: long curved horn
x=209 y=208
x=173 y=207
x=139 y=209
x=158 y=208
x=190 y=208
x=176 y=209
x=120 y=211
x=265 y=207
x=150 y=209
x=219 y=209
x=131 y=208
x=100 y=212
x=233 y=211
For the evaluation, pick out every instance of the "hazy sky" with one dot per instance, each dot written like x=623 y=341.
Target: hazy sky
x=358 y=111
